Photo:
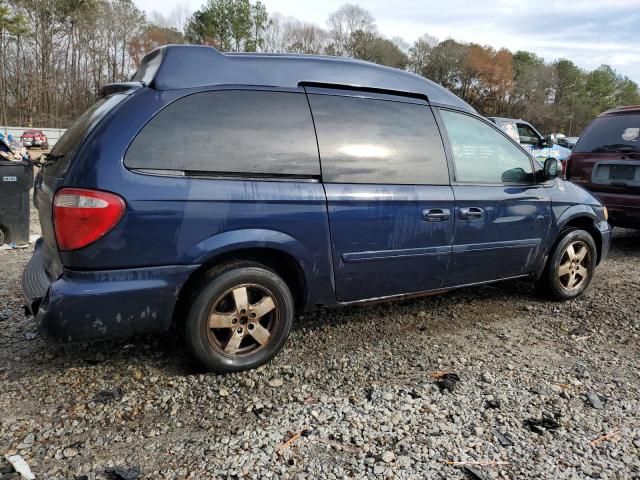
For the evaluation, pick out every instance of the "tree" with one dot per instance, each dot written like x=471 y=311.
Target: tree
x=627 y=92
x=447 y=66
x=151 y=37
x=491 y=77
x=229 y=25
x=419 y=53
x=374 y=48
x=343 y=23
x=11 y=26
x=303 y=37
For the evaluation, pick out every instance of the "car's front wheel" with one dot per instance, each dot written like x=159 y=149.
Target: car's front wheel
x=239 y=318
x=570 y=266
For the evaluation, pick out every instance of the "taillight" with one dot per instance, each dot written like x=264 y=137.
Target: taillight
x=82 y=216
x=565 y=167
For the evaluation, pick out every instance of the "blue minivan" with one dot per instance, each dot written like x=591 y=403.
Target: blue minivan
x=225 y=193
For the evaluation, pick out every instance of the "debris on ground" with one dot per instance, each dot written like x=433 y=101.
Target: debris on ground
x=110 y=395
x=608 y=436
x=479 y=463
x=448 y=381
x=368 y=393
x=120 y=473
x=596 y=400
x=295 y=437
x=540 y=425
x=20 y=467
x=474 y=472
x=579 y=331
x=503 y=439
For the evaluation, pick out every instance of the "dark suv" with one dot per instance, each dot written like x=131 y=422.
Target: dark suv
x=225 y=193
x=606 y=160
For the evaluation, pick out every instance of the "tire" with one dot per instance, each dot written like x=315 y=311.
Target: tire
x=576 y=254
x=2 y=237
x=252 y=309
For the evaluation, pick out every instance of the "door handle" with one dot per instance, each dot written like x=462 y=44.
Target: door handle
x=436 y=214
x=471 y=213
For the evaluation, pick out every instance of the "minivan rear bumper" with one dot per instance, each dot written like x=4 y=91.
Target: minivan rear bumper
x=624 y=209
x=83 y=306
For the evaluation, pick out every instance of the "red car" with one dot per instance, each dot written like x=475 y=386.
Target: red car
x=606 y=161
x=35 y=138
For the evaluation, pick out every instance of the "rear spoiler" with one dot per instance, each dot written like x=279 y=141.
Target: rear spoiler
x=126 y=88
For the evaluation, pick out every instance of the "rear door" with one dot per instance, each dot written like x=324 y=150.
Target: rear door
x=388 y=194
x=502 y=217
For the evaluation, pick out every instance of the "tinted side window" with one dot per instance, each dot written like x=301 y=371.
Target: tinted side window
x=364 y=140
x=237 y=131
x=482 y=154
x=611 y=134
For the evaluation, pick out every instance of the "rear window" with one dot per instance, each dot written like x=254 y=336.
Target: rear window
x=230 y=131
x=364 y=140
x=59 y=158
x=616 y=133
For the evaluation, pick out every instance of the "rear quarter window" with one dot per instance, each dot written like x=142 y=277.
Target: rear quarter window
x=615 y=133
x=230 y=131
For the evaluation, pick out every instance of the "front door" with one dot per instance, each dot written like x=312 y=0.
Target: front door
x=388 y=195
x=502 y=216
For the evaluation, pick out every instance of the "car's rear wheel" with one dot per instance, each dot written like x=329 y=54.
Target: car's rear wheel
x=239 y=318
x=570 y=267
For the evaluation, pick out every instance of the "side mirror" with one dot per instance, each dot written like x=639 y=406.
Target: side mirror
x=552 y=168
x=547 y=142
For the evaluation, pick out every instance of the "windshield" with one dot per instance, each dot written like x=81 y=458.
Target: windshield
x=58 y=160
x=616 y=133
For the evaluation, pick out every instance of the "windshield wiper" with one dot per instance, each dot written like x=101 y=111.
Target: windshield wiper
x=48 y=158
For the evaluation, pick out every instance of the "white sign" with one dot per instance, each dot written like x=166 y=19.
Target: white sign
x=631 y=134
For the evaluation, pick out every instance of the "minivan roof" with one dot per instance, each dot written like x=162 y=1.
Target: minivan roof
x=189 y=66
x=621 y=110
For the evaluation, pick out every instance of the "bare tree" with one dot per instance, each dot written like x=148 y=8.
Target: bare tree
x=179 y=16
x=273 y=34
x=419 y=53
x=304 y=37
x=343 y=23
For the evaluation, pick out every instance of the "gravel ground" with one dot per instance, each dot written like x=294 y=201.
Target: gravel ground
x=355 y=392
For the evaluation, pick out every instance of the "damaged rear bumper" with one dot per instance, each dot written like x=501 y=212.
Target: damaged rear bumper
x=83 y=306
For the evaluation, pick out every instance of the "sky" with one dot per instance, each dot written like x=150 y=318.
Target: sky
x=589 y=32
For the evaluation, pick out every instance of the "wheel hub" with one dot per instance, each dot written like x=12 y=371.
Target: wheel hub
x=242 y=319
x=574 y=267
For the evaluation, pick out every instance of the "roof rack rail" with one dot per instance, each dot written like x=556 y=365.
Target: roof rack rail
x=191 y=66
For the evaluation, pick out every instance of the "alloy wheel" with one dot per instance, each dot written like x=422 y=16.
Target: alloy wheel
x=573 y=271
x=242 y=319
